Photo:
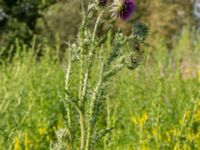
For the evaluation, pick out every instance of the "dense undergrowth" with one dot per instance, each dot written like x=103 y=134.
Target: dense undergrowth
x=155 y=107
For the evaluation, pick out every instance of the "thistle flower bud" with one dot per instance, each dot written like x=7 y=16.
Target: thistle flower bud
x=140 y=31
x=133 y=61
x=123 y=9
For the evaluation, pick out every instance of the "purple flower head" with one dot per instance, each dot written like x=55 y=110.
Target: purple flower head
x=102 y=2
x=123 y=9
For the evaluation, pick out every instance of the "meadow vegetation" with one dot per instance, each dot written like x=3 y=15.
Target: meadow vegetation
x=94 y=82
x=154 y=107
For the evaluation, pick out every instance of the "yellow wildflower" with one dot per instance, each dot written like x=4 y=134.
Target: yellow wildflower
x=26 y=141
x=134 y=120
x=154 y=131
x=168 y=137
x=143 y=119
x=177 y=146
x=17 y=145
x=42 y=131
x=197 y=116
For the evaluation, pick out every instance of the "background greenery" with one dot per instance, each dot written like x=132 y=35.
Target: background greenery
x=61 y=18
x=155 y=107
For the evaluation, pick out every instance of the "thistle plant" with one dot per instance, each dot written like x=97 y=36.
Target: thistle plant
x=93 y=61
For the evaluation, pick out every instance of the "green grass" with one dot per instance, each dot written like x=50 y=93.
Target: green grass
x=30 y=99
x=154 y=107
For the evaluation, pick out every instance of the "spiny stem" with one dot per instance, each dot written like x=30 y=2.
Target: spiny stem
x=86 y=75
x=92 y=107
x=83 y=77
x=82 y=126
x=83 y=81
x=67 y=97
x=96 y=25
x=108 y=122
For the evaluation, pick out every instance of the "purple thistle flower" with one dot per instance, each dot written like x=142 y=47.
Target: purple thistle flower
x=102 y=2
x=123 y=8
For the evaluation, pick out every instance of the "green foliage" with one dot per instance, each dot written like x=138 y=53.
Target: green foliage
x=26 y=11
x=30 y=98
x=19 y=19
x=61 y=19
x=165 y=18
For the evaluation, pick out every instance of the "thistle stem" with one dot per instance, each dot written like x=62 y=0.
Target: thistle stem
x=92 y=109
x=83 y=81
x=67 y=76
x=82 y=126
x=86 y=75
x=96 y=25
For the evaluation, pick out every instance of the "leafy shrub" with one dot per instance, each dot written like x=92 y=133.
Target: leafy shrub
x=19 y=20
